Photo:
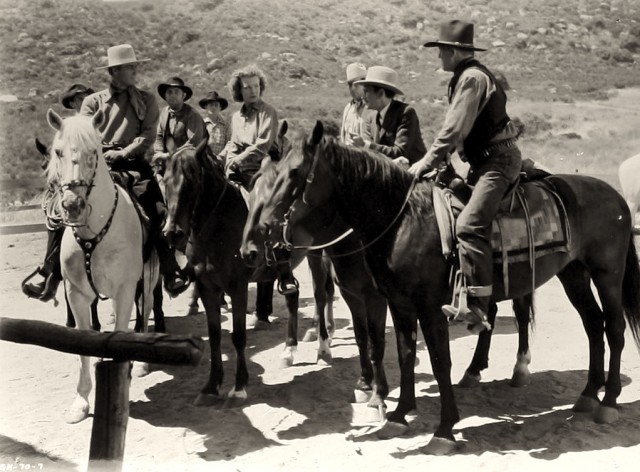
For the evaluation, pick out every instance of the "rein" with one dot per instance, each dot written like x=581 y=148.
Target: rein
x=82 y=183
x=89 y=245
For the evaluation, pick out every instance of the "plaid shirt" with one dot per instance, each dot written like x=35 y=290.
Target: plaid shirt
x=219 y=134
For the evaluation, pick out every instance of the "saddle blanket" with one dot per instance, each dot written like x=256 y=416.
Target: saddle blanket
x=532 y=213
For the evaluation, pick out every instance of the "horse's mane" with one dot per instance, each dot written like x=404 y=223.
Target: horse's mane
x=79 y=131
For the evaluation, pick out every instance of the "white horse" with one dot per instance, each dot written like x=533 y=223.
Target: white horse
x=629 y=174
x=102 y=247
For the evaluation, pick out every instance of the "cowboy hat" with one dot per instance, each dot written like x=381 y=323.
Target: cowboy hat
x=176 y=82
x=120 y=55
x=356 y=71
x=213 y=97
x=75 y=89
x=455 y=33
x=381 y=76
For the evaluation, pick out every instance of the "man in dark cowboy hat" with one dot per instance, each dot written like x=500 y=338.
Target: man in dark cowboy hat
x=393 y=128
x=478 y=128
x=131 y=120
x=179 y=123
x=73 y=97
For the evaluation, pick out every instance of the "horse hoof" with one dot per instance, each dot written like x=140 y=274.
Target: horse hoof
x=520 y=379
x=439 y=447
x=78 y=411
x=585 y=404
x=140 y=369
x=469 y=380
x=605 y=414
x=235 y=399
x=262 y=325
x=324 y=358
x=391 y=429
x=207 y=399
x=360 y=396
x=310 y=336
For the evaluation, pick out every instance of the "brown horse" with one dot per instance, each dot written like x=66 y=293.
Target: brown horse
x=394 y=216
x=368 y=307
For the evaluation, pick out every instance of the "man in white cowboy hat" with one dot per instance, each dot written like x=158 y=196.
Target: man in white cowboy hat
x=73 y=97
x=216 y=125
x=394 y=128
x=478 y=128
x=352 y=115
x=128 y=133
x=179 y=123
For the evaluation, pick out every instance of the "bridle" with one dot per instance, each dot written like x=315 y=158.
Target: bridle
x=77 y=182
x=288 y=244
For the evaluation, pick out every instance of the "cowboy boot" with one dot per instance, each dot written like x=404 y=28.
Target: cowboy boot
x=45 y=290
x=474 y=308
x=176 y=280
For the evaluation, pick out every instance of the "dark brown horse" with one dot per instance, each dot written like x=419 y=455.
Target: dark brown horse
x=368 y=307
x=394 y=216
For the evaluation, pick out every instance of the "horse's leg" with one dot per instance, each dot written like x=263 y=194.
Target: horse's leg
x=264 y=304
x=376 y=317
x=480 y=360
x=81 y=308
x=577 y=285
x=193 y=302
x=71 y=322
x=405 y=323
x=436 y=333
x=319 y=278
x=210 y=296
x=330 y=289
x=291 y=344
x=238 y=394
x=95 y=321
x=523 y=309
x=158 y=312
x=609 y=286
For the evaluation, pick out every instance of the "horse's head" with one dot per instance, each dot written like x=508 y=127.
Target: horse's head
x=300 y=176
x=183 y=185
x=73 y=162
x=252 y=248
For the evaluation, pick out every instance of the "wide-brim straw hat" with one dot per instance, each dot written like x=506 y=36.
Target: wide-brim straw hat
x=120 y=55
x=213 y=97
x=457 y=34
x=176 y=82
x=382 y=76
x=72 y=91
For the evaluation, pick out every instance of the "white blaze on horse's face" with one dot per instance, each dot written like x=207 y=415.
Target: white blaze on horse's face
x=73 y=163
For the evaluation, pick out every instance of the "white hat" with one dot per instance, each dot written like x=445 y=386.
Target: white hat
x=382 y=76
x=356 y=71
x=120 y=55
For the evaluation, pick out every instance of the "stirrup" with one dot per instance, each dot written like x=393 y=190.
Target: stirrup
x=179 y=289
x=289 y=287
x=458 y=298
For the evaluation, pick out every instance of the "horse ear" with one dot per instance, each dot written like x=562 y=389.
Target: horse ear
x=201 y=148
x=97 y=119
x=316 y=135
x=54 y=120
x=284 y=127
x=42 y=149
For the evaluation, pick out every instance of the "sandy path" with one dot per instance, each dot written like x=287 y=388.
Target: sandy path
x=300 y=418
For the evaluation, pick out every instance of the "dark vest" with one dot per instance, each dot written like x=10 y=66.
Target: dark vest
x=491 y=120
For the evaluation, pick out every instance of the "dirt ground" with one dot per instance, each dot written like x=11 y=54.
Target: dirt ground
x=300 y=418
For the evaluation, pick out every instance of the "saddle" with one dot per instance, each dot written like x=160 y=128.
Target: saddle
x=531 y=223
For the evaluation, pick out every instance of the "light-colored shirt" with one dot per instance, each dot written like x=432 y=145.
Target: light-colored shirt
x=472 y=93
x=254 y=128
x=131 y=118
x=219 y=134
x=177 y=128
x=352 y=120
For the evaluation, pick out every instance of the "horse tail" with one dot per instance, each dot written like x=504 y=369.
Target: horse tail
x=631 y=291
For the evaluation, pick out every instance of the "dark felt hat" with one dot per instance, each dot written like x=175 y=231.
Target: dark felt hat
x=455 y=33
x=71 y=92
x=175 y=82
x=213 y=97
